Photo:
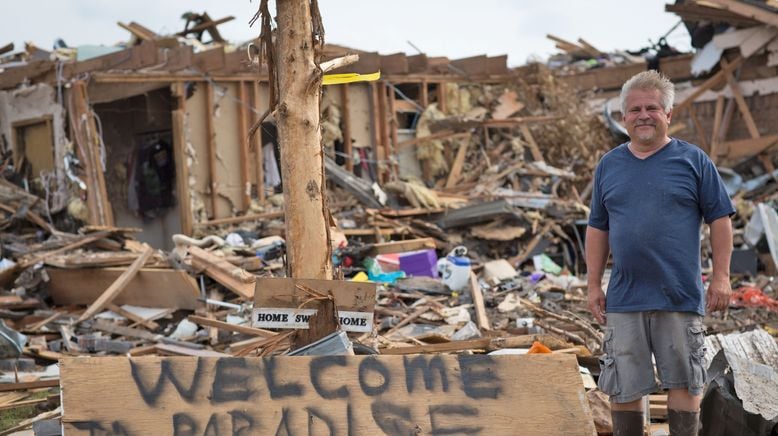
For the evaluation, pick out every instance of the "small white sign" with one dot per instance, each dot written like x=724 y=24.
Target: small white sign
x=283 y=318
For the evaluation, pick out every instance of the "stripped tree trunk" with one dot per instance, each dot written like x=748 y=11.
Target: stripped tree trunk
x=302 y=161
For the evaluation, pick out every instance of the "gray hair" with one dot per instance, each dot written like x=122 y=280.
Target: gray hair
x=646 y=81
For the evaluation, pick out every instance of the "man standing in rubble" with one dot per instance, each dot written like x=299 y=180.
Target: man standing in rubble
x=649 y=199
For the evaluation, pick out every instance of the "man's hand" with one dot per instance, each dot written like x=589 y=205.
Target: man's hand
x=718 y=295
x=597 y=303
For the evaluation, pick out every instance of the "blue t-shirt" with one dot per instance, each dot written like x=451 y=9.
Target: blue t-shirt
x=652 y=210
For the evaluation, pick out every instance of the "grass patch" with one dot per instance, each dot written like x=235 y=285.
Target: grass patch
x=12 y=417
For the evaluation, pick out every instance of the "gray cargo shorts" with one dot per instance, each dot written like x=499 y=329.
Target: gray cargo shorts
x=677 y=342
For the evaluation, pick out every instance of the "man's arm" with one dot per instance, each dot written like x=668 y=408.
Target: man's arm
x=597 y=251
x=719 y=289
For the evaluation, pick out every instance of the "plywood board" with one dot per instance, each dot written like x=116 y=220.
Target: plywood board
x=228 y=159
x=150 y=287
x=279 y=303
x=336 y=395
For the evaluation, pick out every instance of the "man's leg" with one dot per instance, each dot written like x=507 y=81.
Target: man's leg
x=626 y=372
x=679 y=349
x=683 y=412
x=627 y=418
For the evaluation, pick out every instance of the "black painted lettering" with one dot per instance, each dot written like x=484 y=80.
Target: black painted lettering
x=150 y=396
x=212 y=429
x=317 y=366
x=94 y=427
x=305 y=318
x=272 y=317
x=350 y=421
x=242 y=423
x=230 y=381
x=184 y=425
x=479 y=377
x=283 y=425
x=447 y=411
x=119 y=429
x=277 y=390
x=393 y=419
x=372 y=364
x=428 y=368
x=313 y=414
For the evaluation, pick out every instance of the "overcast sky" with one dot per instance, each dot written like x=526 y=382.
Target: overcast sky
x=453 y=28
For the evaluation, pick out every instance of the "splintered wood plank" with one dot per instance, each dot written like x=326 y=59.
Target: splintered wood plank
x=481 y=318
x=232 y=277
x=528 y=395
x=149 y=288
x=459 y=161
x=245 y=185
x=117 y=286
x=748 y=147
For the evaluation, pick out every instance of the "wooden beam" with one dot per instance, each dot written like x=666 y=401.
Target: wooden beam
x=402 y=246
x=138 y=31
x=6 y=387
x=490 y=344
x=393 y=128
x=715 y=140
x=259 y=157
x=118 y=286
x=206 y=26
x=375 y=129
x=211 y=141
x=424 y=94
x=86 y=135
x=149 y=324
x=245 y=184
x=741 y=102
x=384 y=129
x=234 y=278
x=698 y=127
x=750 y=11
x=347 y=145
x=456 y=169
x=180 y=157
x=748 y=147
x=207 y=322
x=442 y=104
x=240 y=219
x=533 y=146
x=708 y=84
x=481 y=318
x=447 y=134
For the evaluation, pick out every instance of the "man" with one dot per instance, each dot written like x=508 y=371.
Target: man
x=649 y=199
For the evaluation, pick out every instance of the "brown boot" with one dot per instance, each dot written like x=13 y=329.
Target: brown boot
x=683 y=423
x=627 y=423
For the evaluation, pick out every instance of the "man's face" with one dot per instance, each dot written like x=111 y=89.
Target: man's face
x=646 y=119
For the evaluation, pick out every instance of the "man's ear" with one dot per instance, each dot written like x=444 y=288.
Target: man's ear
x=669 y=116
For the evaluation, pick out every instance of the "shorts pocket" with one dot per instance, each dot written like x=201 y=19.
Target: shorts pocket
x=697 y=371
x=609 y=377
x=609 y=380
x=696 y=337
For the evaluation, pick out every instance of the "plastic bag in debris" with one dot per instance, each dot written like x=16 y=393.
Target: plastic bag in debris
x=11 y=341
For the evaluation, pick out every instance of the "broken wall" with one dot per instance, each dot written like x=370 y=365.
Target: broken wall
x=37 y=102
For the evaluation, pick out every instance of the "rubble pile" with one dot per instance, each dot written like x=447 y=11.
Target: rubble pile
x=473 y=245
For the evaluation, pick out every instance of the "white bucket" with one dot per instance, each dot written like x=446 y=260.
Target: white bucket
x=454 y=269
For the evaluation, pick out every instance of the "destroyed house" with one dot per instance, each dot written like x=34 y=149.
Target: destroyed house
x=155 y=135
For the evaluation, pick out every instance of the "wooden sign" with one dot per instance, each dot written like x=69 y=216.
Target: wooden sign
x=280 y=304
x=325 y=395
